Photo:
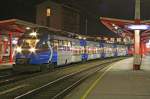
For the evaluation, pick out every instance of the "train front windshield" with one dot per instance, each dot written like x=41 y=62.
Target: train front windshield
x=28 y=43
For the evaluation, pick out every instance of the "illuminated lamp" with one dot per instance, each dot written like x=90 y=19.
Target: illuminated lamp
x=138 y=27
x=19 y=49
x=32 y=50
x=33 y=34
x=116 y=27
x=84 y=38
x=28 y=28
x=113 y=25
x=80 y=37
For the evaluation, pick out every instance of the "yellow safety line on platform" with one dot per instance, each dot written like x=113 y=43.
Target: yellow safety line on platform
x=94 y=84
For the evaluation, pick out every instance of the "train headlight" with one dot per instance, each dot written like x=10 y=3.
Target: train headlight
x=32 y=50
x=19 y=49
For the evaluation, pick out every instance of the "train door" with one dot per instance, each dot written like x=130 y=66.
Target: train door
x=64 y=52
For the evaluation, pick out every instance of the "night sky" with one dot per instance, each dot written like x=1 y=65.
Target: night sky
x=124 y=9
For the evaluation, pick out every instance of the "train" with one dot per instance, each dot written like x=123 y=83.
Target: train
x=44 y=48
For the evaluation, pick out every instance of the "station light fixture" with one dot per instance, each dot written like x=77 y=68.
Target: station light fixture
x=138 y=27
x=84 y=38
x=80 y=37
x=116 y=27
x=28 y=28
x=113 y=25
x=33 y=34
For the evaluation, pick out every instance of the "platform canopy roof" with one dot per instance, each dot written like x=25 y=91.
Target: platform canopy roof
x=16 y=25
x=120 y=27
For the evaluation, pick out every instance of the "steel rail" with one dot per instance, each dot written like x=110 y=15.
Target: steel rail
x=67 y=77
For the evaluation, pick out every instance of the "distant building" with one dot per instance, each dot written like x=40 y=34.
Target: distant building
x=58 y=16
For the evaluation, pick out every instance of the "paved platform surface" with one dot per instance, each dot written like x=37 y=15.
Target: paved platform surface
x=4 y=66
x=119 y=82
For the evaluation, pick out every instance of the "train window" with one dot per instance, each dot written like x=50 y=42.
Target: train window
x=77 y=50
x=82 y=50
x=89 y=50
x=96 y=50
x=27 y=43
x=55 y=42
x=69 y=43
x=60 y=43
x=65 y=43
x=69 y=48
x=74 y=50
x=44 y=45
x=60 y=48
x=99 y=50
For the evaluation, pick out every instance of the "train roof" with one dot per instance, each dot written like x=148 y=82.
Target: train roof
x=58 y=32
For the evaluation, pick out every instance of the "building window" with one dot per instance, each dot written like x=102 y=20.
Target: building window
x=48 y=12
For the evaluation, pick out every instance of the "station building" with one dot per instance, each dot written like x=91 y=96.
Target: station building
x=58 y=16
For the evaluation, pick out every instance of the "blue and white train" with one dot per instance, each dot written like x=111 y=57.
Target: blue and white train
x=45 y=49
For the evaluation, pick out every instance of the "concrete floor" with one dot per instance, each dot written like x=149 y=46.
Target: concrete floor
x=4 y=66
x=120 y=82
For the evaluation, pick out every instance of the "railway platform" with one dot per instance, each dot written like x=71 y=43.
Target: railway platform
x=119 y=81
x=4 y=66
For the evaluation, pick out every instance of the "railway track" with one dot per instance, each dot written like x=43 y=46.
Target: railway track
x=22 y=89
x=10 y=77
x=58 y=88
x=5 y=73
x=16 y=77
